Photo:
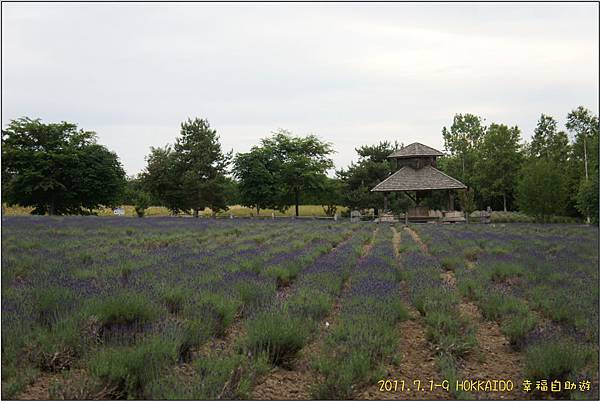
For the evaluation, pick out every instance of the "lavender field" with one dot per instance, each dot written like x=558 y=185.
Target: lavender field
x=169 y=308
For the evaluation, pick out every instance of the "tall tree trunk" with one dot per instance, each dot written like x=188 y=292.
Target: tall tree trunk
x=195 y=213
x=585 y=158
x=257 y=210
x=504 y=200
x=297 y=202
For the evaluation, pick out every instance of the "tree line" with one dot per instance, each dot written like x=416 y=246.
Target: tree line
x=57 y=168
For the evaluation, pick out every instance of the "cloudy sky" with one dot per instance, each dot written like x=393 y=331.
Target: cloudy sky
x=351 y=73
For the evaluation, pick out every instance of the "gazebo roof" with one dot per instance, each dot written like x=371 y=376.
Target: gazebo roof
x=426 y=178
x=415 y=149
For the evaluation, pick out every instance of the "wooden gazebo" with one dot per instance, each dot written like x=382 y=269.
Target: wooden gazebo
x=416 y=172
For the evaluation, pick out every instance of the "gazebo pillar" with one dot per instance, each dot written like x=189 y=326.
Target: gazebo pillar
x=385 y=202
x=450 y=201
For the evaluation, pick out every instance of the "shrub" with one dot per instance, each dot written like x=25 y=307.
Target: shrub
x=174 y=298
x=340 y=378
x=123 y=309
x=253 y=295
x=280 y=336
x=218 y=309
x=495 y=306
x=50 y=303
x=503 y=271
x=470 y=289
x=56 y=348
x=195 y=333
x=558 y=359
x=437 y=298
x=131 y=369
x=450 y=333
x=451 y=263
x=310 y=303
x=516 y=329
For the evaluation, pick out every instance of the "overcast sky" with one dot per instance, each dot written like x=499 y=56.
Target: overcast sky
x=353 y=74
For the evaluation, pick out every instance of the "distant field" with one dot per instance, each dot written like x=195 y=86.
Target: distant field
x=167 y=308
x=236 y=210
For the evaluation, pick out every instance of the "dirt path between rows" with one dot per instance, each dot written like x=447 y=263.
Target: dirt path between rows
x=417 y=361
x=494 y=359
x=295 y=383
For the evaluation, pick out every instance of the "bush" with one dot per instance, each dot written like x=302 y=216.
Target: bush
x=502 y=271
x=50 y=303
x=587 y=198
x=434 y=299
x=310 y=303
x=558 y=359
x=340 y=378
x=124 y=309
x=450 y=333
x=217 y=309
x=451 y=263
x=174 y=298
x=131 y=369
x=253 y=295
x=278 y=335
x=495 y=306
x=56 y=348
x=516 y=329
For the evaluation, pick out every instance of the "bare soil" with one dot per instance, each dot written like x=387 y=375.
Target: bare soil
x=493 y=359
x=417 y=360
x=296 y=382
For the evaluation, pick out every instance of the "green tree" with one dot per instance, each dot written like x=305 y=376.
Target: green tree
x=498 y=163
x=462 y=140
x=587 y=198
x=372 y=167
x=58 y=169
x=548 y=142
x=466 y=199
x=298 y=164
x=584 y=158
x=542 y=191
x=584 y=126
x=162 y=180
x=257 y=180
x=202 y=165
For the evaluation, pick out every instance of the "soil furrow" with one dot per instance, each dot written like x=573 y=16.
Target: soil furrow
x=494 y=359
x=295 y=383
x=417 y=361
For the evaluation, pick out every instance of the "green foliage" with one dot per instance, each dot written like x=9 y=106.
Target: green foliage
x=587 y=198
x=50 y=303
x=280 y=336
x=498 y=163
x=131 y=369
x=55 y=349
x=542 y=190
x=451 y=263
x=434 y=299
x=256 y=172
x=310 y=303
x=218 y=309
x=58 y=169
x=517 y=327
x=175 y=298
x=495 y=306
x=128 y=308
x=340 y=378
x=466 y=200
x=558 y=359
x=549 y=143
x=359 y=178
x=462 y=140
x=450 y=333
x=299 y=163
x=191 y=175
x=502 y=271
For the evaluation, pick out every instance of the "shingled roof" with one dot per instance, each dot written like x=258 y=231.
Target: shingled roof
x=409 y=179
x=414 y=150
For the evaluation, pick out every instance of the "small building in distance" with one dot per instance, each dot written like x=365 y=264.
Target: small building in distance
x=416 y=171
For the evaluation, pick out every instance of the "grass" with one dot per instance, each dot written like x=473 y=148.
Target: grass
x=559 y=359
x=124 y=309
